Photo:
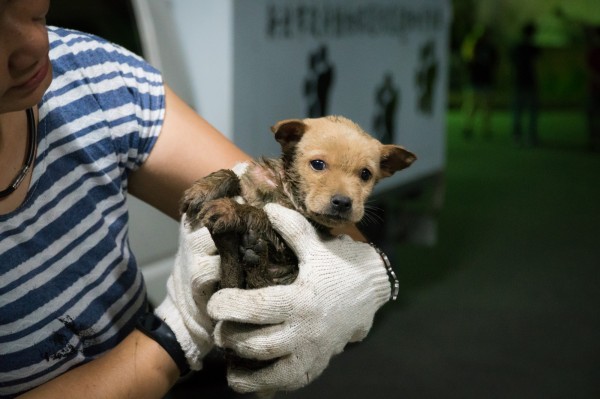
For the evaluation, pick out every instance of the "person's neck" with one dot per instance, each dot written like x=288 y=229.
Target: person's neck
x=13 y=130
x=13 y=147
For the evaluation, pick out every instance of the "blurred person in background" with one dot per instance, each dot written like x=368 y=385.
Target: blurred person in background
x=592 y=60
x=524 y=58
x=481 y=58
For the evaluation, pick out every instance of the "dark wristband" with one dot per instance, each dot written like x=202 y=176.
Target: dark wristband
x=155 y=328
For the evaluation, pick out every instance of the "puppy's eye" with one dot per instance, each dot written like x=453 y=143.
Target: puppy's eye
x=317 y=164
x=365 y=175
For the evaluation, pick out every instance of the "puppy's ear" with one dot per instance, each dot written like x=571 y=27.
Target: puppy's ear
x=288 y=132
x=394 y=158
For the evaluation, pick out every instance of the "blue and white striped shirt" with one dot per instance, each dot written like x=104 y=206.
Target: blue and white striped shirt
x=69 y=286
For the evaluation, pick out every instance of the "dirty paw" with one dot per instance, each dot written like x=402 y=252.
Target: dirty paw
x=192 y=204
x=220 y=184
x=253 y=248
x=221 y=215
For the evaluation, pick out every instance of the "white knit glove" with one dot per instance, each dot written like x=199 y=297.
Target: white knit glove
x=340 y=286
x=192 y=281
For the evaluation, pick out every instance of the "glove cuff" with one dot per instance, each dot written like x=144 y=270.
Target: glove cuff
x=194 y=351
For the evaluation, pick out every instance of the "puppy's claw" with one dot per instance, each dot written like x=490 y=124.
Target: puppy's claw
x=193 y=220
x=220 y=216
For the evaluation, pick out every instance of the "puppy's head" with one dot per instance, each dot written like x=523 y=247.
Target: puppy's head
x=332 y=165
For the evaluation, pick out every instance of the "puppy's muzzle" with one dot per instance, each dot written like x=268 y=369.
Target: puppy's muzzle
x=341 y=205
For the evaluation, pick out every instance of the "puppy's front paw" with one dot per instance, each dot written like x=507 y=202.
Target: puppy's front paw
x=220 y=184
x=221 y=215
x=192 y=202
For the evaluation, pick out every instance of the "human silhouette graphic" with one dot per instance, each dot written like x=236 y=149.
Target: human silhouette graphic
x=426 y=77
x=386 y=102
x=317 y=85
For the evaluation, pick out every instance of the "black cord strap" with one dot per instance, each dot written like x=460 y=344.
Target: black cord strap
x=388 y=267
x=31 y=145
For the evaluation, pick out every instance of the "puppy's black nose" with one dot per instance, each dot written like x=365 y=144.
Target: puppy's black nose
x=341 y=203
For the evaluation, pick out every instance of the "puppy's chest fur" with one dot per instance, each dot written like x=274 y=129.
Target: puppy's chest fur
x=265 y=181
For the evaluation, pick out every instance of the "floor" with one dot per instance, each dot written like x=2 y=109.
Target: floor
x=506 y=304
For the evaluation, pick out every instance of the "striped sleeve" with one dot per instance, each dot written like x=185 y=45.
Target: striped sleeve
x=128 y=91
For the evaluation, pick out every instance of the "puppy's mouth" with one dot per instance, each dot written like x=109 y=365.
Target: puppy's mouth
x=330 y=219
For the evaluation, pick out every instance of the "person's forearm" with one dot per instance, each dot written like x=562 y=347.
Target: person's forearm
x=137 y=368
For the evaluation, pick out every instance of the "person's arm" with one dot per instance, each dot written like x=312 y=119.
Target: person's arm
x=136 y=368
x=187 y=149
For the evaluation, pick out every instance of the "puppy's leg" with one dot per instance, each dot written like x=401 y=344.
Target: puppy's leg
x=239 y=232
x=220 y=184
x=254 y=255
x=232 y=273
x=224 y=221
x=267 y=258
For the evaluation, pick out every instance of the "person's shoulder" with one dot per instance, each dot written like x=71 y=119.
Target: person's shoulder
x=71 y=49
x=57 y=36
x=65 y=41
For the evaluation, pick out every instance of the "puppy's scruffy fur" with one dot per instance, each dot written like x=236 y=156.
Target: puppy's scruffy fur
x=327 y=169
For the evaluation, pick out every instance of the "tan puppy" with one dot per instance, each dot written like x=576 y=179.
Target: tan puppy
x=327 y=169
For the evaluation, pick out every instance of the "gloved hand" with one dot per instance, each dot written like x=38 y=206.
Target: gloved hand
x=340 y=286
x=192 y=281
